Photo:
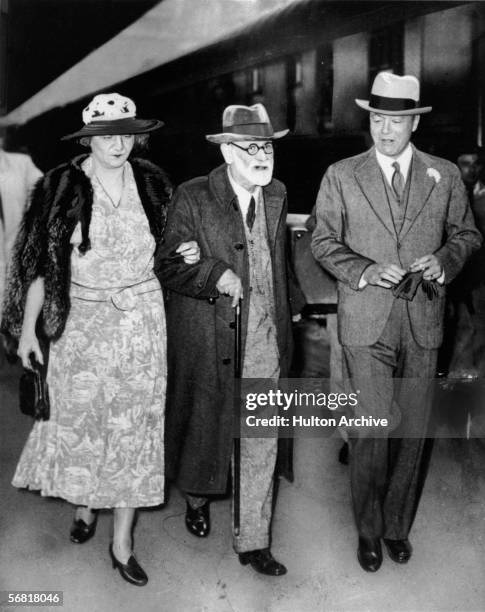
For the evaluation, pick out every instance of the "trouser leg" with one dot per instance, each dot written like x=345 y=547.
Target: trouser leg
x=195 y=501
x=410 y=452
x=371 y=370
x=258 y=459
x=394 y=377
x=368 y=453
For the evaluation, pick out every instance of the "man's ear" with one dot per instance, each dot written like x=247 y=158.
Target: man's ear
x=416 y=121
x=227 y=152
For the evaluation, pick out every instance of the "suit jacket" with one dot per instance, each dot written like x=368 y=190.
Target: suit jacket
x=355 y=229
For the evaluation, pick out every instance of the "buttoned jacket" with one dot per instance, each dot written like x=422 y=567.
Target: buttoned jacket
x=355 y=229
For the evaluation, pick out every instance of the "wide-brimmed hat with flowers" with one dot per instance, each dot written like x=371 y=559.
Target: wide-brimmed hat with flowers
x=112 y=114
x=394 y=95
x=245 y=123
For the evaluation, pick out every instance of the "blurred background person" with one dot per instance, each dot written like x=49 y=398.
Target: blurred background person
x=464 y=352
x=84 y=262
x=18 y=174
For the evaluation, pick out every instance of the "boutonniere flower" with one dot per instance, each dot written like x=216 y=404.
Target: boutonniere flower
x=434 y=174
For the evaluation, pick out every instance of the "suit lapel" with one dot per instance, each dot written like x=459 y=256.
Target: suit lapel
x=369 y=178
x=419 y=191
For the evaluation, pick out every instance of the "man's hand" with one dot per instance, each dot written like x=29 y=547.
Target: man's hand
x=430 y=265
x=384 y=275
x=190 y=251
x=230 y=284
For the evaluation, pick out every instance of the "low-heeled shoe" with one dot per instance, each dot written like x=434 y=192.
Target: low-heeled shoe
x=197 y=520
x=369 y=554
x=263 y=562
x=400 y=551
x=132 y=571
x=82 y=532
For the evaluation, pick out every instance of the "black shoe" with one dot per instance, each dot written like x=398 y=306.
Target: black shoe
x=343 y=454
x=263 y=562
x=400 y=551
x=82 y=532
x=131 y=571
x=197 y=520
x=369 y=554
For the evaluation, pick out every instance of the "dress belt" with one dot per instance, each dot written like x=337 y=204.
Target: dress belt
x=123 y=298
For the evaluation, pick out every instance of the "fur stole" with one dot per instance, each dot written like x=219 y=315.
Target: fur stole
x=61 y=199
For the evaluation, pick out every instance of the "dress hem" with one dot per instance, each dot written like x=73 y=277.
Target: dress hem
x=78 y=501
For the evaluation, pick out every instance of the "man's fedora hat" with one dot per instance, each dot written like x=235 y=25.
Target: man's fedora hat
x=245 y=123
x=112 y=114
x=394 y=95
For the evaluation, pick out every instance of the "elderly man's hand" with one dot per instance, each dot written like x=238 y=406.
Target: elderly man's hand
x=190 y=251
x=383 y=274
x=230 y=284
x=430 y=265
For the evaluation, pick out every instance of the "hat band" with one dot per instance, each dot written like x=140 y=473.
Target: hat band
x=112 y=123
x=391 y=104
x=249 y=129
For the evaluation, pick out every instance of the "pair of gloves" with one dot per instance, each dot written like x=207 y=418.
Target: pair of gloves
x=410 y=283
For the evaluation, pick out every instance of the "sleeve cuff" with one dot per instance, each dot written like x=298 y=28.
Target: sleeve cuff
x=362 y=282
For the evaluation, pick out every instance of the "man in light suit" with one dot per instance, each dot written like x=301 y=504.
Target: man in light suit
x=392 y=217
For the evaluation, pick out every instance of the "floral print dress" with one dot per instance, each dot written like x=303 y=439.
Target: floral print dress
x=103 y=445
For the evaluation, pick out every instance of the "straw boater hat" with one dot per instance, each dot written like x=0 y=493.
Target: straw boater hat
x=245 y=123
x=394 y=95
x=112 y=114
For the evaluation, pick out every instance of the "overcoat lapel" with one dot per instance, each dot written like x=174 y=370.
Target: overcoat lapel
x=273 y=205
x=369 y=178
x=419 y=191
x=226 y=200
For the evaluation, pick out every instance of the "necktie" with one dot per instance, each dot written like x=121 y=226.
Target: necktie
x=251 y=214
x=397 y=181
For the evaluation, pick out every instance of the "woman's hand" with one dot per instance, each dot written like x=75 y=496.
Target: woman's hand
x=28 y=344
x=190 y=251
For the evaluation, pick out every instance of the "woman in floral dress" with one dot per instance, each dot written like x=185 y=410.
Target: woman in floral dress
x=84 y=262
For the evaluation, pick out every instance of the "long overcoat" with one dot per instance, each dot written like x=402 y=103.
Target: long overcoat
x=200 y=407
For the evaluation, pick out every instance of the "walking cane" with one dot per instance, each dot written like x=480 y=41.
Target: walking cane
x=237 y=402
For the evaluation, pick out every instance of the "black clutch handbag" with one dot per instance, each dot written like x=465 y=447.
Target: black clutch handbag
x=33 y=393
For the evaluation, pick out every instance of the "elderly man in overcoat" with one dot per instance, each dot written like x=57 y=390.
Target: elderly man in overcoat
x=394 y=227
x=237 y=216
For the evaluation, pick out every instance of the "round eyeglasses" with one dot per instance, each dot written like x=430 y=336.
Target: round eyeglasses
x=253 y=148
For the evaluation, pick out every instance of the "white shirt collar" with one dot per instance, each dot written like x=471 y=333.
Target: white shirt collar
x=404 y=160
x=243 y=195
